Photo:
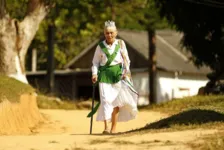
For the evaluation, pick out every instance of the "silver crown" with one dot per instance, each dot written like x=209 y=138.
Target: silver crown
x=110 y=24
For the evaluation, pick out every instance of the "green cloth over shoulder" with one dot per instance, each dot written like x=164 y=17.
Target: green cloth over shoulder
x=107 y=73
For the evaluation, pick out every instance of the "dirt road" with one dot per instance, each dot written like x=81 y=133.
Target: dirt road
x=69 y=130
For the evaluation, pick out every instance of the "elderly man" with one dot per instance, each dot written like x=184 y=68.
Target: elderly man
x=118 y=100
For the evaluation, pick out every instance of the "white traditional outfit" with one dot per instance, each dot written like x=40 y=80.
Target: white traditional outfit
x=110 y=63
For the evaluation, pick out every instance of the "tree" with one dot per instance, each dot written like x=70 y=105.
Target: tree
x=16 y=34
x=79 y=23
x=203 y=28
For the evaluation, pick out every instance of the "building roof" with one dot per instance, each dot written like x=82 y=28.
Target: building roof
x=81 y=54
x=169 y=55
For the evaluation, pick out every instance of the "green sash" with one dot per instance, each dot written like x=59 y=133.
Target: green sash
x=107 y=73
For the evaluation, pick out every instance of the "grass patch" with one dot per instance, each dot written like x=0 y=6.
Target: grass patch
x=211 y=102
x=11 y=89
x=124 y=142
x=188 y=113
x=46 y=102
x=97 y=141
x=211 y=142
x=189 y=117
x=167 y=142
x=149 y=142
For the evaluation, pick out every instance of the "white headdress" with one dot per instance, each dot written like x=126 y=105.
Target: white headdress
x=110 y=24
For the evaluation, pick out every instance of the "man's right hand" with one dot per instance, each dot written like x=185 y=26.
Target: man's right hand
x=94 y=78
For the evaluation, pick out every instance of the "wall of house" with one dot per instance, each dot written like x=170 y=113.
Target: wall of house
x=169 y=85
x=63 y=85
x=74 y=85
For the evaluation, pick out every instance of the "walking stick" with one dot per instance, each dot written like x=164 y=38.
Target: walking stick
x=93 y=98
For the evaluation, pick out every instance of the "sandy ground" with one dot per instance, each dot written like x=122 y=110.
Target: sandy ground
x=69 y=130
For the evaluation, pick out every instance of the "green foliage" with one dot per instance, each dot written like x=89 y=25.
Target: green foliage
x=203 y=34
x=79 y=23
x=13 y=7
x=139 y=15
x=76 y=26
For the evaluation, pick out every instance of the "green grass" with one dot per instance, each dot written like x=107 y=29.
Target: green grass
x=98 y=141
x=211 y=142
x=11 y=89
x=47 y=102
x=211 y=102
x=191 y=118
x=204 y=112
x=122 y=142
x=188 y=113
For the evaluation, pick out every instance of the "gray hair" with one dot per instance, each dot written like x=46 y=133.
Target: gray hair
x=109 y=23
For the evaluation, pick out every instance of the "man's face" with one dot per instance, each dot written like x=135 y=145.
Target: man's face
x=110 y=34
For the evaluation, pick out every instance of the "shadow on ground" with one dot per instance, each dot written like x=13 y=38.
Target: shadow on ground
x=189 y=117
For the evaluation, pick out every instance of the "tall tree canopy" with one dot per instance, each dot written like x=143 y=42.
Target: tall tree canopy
x=77 y=24
x=80 y=22
x=203 y=27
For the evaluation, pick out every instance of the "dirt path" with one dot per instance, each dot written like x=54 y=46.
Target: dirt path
x=69 y=130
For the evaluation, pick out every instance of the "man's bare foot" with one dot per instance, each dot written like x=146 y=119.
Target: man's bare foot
x=112 y=131
x=106 y=131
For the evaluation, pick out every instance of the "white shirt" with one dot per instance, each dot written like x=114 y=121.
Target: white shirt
x=100 y=57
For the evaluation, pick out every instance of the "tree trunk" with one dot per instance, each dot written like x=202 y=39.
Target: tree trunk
x=15 y=38
x=2 y=8
x=152 y=67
